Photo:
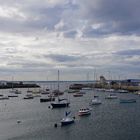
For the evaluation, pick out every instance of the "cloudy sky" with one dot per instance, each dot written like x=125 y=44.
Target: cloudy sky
x=78 y=37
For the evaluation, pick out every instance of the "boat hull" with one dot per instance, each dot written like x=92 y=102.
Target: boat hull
x=47 y=99
x=59 y=105
x=84 y=113
x=128 y=101
x=63 y=123
x=96 y=103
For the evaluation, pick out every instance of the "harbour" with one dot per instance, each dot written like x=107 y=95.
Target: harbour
x=31 y=120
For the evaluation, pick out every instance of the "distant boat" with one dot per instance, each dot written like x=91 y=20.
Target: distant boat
x=67 y=120
x=122 y=91
x=127 y=100
x=84 y=112
x=29 y=91
x=95 y=96
x=95 y=101
x=17 y=92
x=111 y=96
x=49 y=99
x=109 y=90
x=72 y=91
x=4 y=98
x=78 y=94
x=12 y=91
x=28 y=96
x=60 y=104
x=57 y=92
x=45 y=92
x=12 y=96
x=87 y=88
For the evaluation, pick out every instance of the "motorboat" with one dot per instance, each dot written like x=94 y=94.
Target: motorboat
x=111 y=96
x=78 y=94
x=127 y=100
x=95 y=101
x=67 y=120
x=84 y=112
x=28 y=96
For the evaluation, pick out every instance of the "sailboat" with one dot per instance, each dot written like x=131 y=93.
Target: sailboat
x=16 y=91
x=67 y=120
x=60 y=103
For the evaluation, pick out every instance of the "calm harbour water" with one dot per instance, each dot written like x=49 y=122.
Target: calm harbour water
x=108 y=121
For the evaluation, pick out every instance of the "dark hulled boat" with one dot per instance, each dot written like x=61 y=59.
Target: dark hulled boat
x=60 y=104
x=47 y=99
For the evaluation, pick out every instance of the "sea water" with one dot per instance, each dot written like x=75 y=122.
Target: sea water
x=108 y=121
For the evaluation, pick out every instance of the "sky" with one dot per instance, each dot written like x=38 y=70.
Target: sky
x=80 y=38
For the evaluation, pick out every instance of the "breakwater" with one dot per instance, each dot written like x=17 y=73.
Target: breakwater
x=8 y=85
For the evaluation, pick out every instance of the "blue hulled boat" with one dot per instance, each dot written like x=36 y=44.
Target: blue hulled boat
x=67 y=120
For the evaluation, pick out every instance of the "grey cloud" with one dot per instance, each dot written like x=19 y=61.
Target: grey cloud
x=119 y=16
x=115 y=17
x=131 y=52
x=62 y=58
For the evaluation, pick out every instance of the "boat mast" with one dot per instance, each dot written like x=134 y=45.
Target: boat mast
x=58 y=81
x=12 y=83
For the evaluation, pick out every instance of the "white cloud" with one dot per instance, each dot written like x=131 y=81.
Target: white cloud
x=76 y=36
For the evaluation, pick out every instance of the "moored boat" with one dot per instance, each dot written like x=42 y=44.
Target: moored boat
x=84 y=112
x=95 y=102
x=60 y=104
x=122 y=91
x=78 y=94
x=49 y=99
x=67 y=120
x=4 y=98
x=127 y=100
x=28 y=96
x=12 y=96
x=111 y=96
x=17 y=92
